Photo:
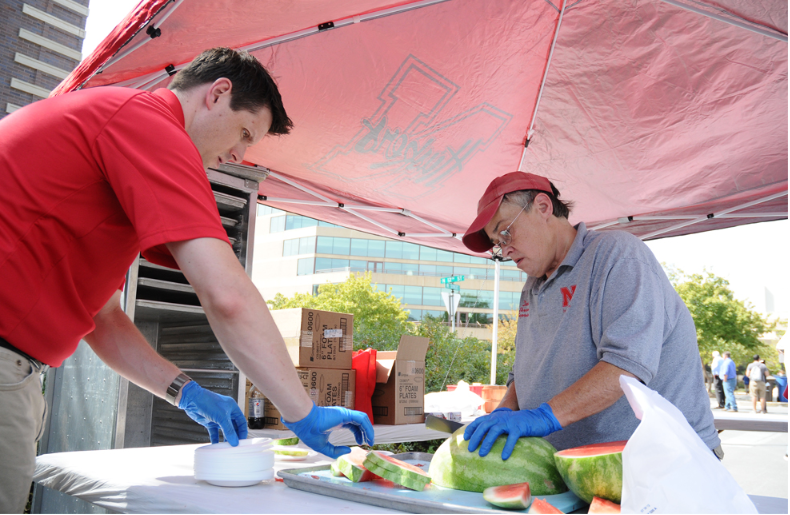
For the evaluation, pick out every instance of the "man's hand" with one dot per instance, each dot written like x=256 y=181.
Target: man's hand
x=214 y=411
x=535 y=422
x=314 y=429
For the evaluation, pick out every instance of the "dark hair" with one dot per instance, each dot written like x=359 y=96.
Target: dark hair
x=253 y=87
x=756 y=357
x=525 y=198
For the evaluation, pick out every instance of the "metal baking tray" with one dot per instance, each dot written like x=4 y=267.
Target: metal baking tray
x=165 y=285
x=167 y=311
x=228 y=222
x=434 y=499
x=229 y=201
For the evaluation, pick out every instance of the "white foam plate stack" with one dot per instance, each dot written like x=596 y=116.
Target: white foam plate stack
x=248 y=464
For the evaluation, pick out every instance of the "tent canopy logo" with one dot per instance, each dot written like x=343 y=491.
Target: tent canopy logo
x=417 y=138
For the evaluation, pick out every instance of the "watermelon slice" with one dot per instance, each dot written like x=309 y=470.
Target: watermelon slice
x=599 y=505
x=291 y=452
x=594 y=470
x=397 y=471
x=399 y=478
x=395 y=465
x=351 y=466
x=335 y=470
x=286 y=441
x=510 y=497
x=541 y=506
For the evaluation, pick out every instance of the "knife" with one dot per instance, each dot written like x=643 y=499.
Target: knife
x=441 y=424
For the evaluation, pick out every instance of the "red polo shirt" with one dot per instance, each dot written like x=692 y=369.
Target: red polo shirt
x=87 y=181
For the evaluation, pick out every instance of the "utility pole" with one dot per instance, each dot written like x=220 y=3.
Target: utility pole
x=452 y=311
x=496 y=320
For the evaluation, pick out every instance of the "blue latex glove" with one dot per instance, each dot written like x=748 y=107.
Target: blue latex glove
x=532 y=422
x=214 y=411
x=314 y=429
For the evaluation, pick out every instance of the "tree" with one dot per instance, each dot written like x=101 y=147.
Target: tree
x=506 y=332
x=379 y=319
x=450 y=358
x=723 y=322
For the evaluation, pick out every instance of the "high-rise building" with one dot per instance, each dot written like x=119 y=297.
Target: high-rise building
x=296 y=254
x=40 y=43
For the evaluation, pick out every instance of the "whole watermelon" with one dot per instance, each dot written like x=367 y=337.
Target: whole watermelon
x=532 y=461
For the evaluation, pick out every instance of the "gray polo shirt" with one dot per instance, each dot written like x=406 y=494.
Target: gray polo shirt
x=610 y=301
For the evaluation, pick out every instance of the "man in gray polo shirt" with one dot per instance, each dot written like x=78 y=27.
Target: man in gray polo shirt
x=596 y=305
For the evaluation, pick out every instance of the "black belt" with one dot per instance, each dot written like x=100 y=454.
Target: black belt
x=4 y=344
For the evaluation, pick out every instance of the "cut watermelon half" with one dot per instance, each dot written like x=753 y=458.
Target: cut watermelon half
x=509 y=497
x=594 y=470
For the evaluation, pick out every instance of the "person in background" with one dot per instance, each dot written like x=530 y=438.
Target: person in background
x=91 y=179
x=718 y=385
x=758 y=374
x=730 y=378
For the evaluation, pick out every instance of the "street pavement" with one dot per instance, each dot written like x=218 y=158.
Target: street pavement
x=756 y=459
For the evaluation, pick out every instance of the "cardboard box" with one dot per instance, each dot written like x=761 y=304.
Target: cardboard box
x=399 y=397
x=326 y=387
x=317 y=339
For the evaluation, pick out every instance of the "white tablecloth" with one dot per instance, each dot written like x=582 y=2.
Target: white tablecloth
x=160 y=480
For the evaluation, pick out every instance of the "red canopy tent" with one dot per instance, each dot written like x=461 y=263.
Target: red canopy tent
x=659 y=117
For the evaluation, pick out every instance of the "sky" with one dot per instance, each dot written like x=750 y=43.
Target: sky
x=752 y=257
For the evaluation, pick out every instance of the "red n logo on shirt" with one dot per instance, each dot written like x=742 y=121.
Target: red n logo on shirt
x=567 y=295
x=523 y=310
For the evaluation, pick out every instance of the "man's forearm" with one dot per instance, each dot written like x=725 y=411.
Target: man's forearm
x=594 y=392
x=120 y=345
x=253 y=342
x=510 y=399
x=242 y=323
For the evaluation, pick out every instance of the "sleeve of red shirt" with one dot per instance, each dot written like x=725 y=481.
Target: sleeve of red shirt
x=157 y=175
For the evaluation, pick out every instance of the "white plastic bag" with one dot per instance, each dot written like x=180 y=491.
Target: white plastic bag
x=461 y=399
x=667 y=468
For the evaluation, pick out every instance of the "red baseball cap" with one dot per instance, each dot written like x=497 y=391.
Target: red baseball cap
x=475 y=237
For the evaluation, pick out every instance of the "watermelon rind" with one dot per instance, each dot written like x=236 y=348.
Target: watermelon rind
x=599 y=475
x=532 y=461
x=396 y=465
x=351 y=465
x=397 y=477
x=335 y=470
x=286 y=441
x=509 y=497
x=540 y=506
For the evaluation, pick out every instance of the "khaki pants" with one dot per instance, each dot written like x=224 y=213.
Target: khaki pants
x=22 y=412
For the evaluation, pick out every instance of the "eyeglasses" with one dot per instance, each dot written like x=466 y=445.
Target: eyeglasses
x=505 y=236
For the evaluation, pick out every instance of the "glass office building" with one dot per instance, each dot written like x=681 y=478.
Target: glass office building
x=296 y=254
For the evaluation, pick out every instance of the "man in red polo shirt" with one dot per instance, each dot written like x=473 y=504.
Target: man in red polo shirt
x=89 y=180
